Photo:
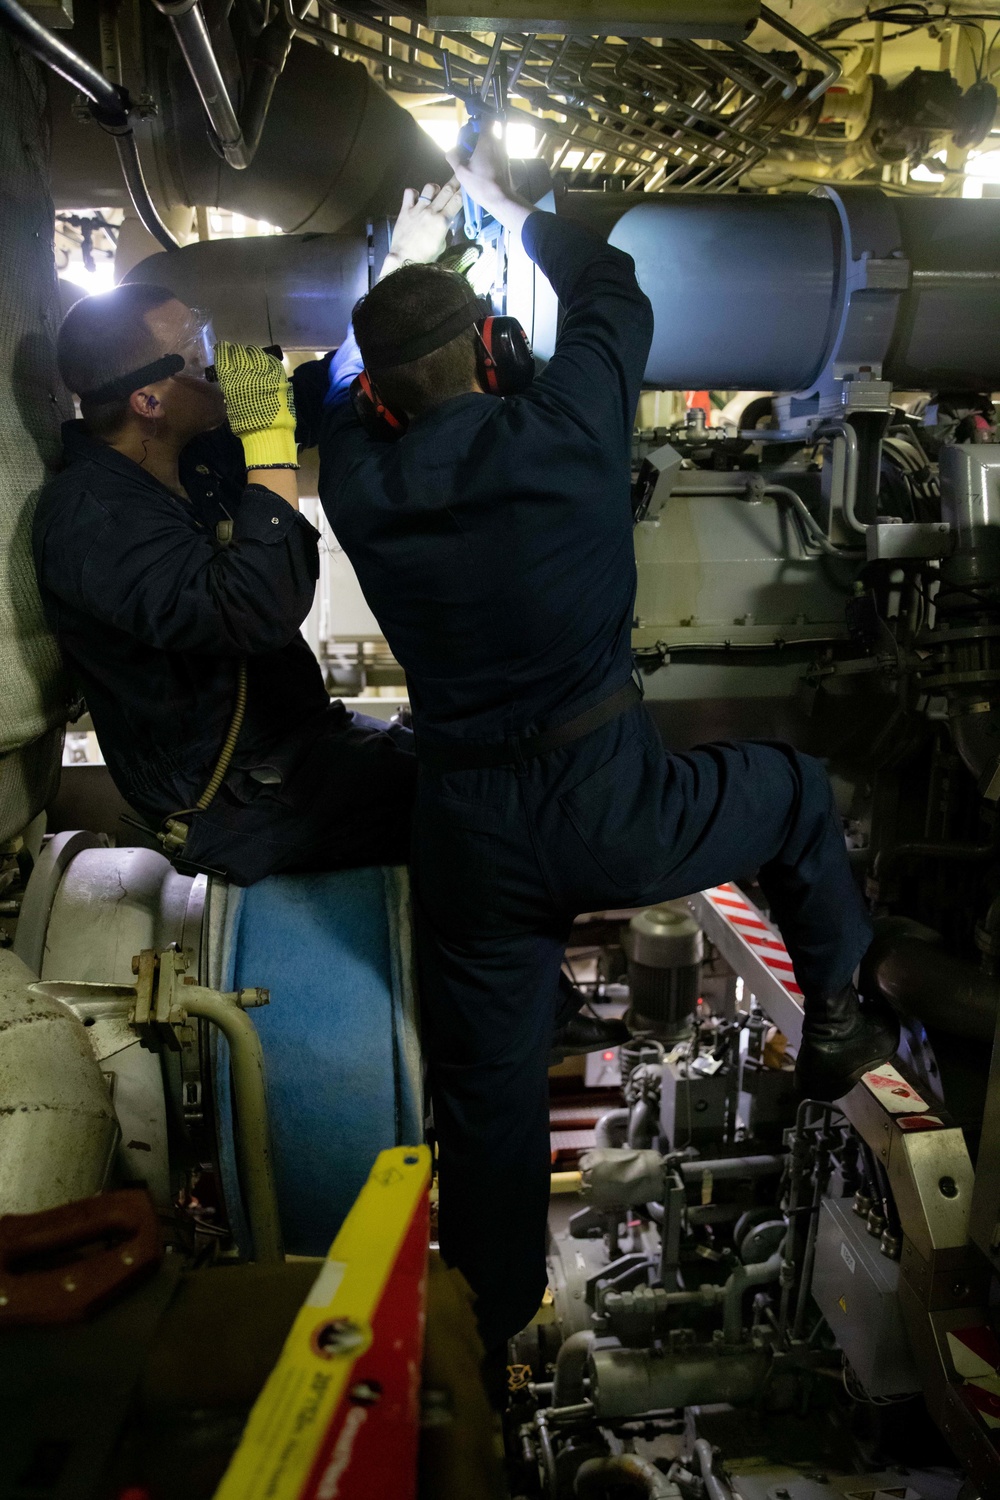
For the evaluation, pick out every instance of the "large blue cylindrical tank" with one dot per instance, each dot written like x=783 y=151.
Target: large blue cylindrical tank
x=341 y=1051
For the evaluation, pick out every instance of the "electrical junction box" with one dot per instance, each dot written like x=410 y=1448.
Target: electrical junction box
x=856 y=1288
x=603 y=1070
x=693 y=1101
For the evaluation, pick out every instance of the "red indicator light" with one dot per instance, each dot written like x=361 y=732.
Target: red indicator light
x=609 y=1057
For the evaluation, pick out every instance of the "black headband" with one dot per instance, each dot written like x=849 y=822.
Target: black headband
x=121 y=388
x=387 y=356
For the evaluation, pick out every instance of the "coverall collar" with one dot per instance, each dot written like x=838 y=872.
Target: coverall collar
x=79 y=445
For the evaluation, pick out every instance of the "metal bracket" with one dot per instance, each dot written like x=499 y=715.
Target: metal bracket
x=165 y=997
x=876 y=274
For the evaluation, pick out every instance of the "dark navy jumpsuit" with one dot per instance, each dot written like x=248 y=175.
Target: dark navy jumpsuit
x=494 y=544
x=153 y=615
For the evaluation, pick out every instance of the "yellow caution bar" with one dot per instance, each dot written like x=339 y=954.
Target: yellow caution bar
x=338 y=1417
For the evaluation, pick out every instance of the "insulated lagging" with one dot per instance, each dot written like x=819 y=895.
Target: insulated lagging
x=259 y=404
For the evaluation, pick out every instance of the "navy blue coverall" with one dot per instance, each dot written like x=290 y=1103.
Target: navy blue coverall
x=152 y=615
x=494 y=544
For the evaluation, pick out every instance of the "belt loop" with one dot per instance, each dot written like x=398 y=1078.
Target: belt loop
x=517 y=755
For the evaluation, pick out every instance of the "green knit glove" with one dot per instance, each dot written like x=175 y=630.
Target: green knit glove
x=259 y=404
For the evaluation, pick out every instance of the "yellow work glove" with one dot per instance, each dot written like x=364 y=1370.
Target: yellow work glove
x=259 y=404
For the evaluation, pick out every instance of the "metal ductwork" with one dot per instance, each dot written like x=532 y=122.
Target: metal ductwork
x=335 y=149
x=774 y=292
x=753 y=293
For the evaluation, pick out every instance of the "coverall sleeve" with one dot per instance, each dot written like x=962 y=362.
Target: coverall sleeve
x=603 y=344
x=175 y=588
x=344 y=445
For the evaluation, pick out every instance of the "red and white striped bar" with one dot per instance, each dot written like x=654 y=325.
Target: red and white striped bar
x=753 y=948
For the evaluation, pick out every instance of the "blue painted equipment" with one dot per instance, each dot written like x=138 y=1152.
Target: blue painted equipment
x=339 y=1038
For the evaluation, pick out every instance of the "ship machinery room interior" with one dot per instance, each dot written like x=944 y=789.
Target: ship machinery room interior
x=219 y=1262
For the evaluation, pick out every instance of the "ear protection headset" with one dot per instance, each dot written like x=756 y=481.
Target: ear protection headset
x=504 y=363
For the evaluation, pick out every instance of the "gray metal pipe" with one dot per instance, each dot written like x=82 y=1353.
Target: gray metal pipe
x=628 y=1382
x=188 y=25
x=337 y=150
x=626 y=1471
x=729 y=1167
x=738 y=1283
x=50 y=49
x=715 y=1489
x=256 y=1156
x=948 y=993
x=264 y=290
x=571 y=1363
x=611 y=1129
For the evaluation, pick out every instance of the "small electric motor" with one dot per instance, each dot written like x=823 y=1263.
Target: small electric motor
x=664 y=946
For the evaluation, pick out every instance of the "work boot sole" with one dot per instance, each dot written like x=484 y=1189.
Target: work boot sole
x=828 y=1068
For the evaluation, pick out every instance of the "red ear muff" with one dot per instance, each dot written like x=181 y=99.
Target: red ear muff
x=379 y=420
x=504 y=359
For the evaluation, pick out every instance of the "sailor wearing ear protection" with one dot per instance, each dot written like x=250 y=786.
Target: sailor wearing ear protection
x=493 y=540
x=175 y=569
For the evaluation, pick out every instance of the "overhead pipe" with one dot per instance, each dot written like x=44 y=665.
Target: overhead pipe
x=110 y=105
x=148 y=214
x=238 y=135
x=49 y=48
x=188 y=25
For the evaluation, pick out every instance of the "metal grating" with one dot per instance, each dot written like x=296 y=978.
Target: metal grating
x=653 y=114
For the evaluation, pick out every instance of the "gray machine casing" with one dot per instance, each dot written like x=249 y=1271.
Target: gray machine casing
x=855 y=1287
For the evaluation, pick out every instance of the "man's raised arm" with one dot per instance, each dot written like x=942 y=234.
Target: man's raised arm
x=596 y=371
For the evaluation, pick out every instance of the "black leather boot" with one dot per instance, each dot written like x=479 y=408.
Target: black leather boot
x=576 y=1031
x=842 y=1038
x=585 y=1034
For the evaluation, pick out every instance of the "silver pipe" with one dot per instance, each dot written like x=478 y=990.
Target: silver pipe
x=849 y=496
x=189 y=28
x=111 y=106
x=814 y=532
x=809 y=44
x=51 y=50
x=256 y=1161
x=715 y=1489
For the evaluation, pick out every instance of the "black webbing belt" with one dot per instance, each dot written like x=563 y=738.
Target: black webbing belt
x=516 y=750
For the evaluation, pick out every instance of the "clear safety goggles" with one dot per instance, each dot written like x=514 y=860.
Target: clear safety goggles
x=196 y=346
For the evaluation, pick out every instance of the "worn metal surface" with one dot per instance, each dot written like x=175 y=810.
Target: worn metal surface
x=626 y=1382
x=856 y=1288
x=927 y=1160
x=58 y=1129
x=294 y=290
